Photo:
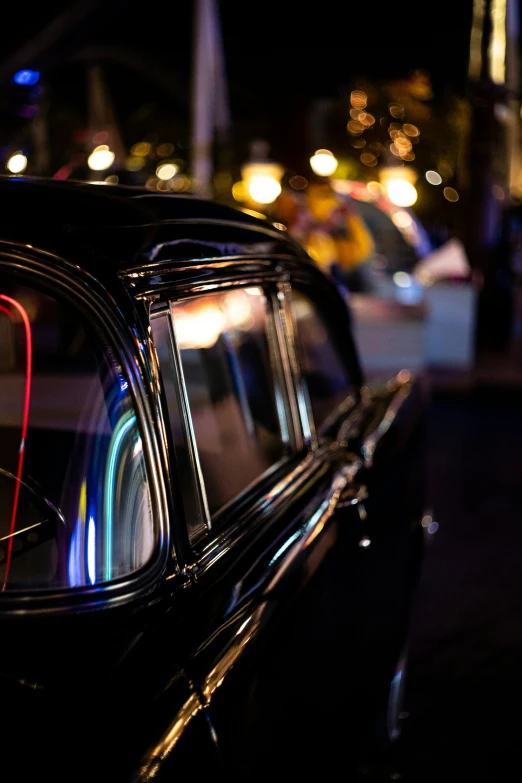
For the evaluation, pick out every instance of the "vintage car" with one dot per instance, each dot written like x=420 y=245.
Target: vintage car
x=209 y=523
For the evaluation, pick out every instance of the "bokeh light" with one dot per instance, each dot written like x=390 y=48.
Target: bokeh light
x=239 y=191
x=366 y=119
x=402 y=279
x=375 y=188
x=101 y=158
x=141 y=149
x=164 y=150
x=297 y=182
x=396 y=110
x=323 y=163
x=17 y=163
x=433 y=177
x=263 y=189
x=402 y=219
x=358 y=99
x=133 y=163
x=451 y=194
x=355 y=127
x=368 y=159
x=167 y=170
x=401 y=193
x=26 y=77
x=410 y=130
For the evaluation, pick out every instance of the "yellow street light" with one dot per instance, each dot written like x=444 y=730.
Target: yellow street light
x=101 y=158
x=401 y=193
x=167 y=170
x=262 y=181
x=16 y=163
x=323 y=163
x=398 y=182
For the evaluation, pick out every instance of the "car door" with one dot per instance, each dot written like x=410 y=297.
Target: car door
x=264 y=380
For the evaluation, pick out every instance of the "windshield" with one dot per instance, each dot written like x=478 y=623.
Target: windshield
x=74 y=500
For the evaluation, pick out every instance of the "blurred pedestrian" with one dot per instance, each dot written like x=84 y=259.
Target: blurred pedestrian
x=331 y=231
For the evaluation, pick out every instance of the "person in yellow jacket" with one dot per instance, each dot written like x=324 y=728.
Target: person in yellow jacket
x=331 y=231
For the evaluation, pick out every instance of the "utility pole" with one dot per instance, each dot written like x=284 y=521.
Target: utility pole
x=494 y=158
x=102 y=118
x=513 y=96
x=210 y=110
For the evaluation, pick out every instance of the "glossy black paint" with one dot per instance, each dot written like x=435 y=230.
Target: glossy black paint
x=269 y=646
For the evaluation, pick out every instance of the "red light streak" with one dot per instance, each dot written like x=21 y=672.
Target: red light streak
x=25 y=419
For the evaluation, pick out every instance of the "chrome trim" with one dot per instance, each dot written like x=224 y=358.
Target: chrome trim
x=300 y=388
x=101 y=309
x=281 y=563
x=157 y=388
x=400 y=386
x=173 y=385
x=289 y=434
x=309 y=532
x=267 y=508
x=151 y=765
x=245 y=633
x=187 y=426
x=164 y=276
x=278 y=315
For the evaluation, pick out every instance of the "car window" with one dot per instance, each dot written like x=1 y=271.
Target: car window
x=322 y=367
x=227 y=351
x=75 y=508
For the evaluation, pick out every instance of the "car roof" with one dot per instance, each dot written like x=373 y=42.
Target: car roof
x=122 y=227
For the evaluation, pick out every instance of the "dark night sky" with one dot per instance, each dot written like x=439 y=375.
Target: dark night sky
x=290 y=45
x=279 y=56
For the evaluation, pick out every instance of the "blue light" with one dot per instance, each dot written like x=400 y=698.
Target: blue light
x=91 y=551
x=124 y=423
x=26 y=77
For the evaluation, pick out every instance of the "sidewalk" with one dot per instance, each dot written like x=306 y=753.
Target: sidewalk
x=490 y=370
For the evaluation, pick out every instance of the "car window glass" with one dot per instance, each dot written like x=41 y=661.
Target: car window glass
x=75 y=508
x=322 y=368
x=226 y=353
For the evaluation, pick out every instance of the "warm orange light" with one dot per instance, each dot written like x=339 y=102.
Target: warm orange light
x=323 y=163
x=401 y=193
x=396 y=110
x=366 y=119
x=355 y=127
x=101 y=158
x=141 y=149
x=451 y=194
x=368 y=159
x=358 y=99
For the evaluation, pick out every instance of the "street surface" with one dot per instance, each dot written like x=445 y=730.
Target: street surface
x=462 y=718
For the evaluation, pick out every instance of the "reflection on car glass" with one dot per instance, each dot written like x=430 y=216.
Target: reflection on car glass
x=232 y=389
x=74 y=506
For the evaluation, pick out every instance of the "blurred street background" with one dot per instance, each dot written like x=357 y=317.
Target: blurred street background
x=389 y=143
x=389 y=148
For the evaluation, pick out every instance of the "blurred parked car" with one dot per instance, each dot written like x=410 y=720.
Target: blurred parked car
x=209 y=524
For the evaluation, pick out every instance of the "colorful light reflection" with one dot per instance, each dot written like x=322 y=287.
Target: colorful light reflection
x=122 y=427
x=25 y=419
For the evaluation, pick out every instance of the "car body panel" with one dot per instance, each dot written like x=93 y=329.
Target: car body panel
x=272 y=637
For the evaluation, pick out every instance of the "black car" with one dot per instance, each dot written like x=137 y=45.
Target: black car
x=209 y=524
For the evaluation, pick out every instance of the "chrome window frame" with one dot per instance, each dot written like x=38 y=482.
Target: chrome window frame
x=194 y=498
x=301 y=396
x=305 y=404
